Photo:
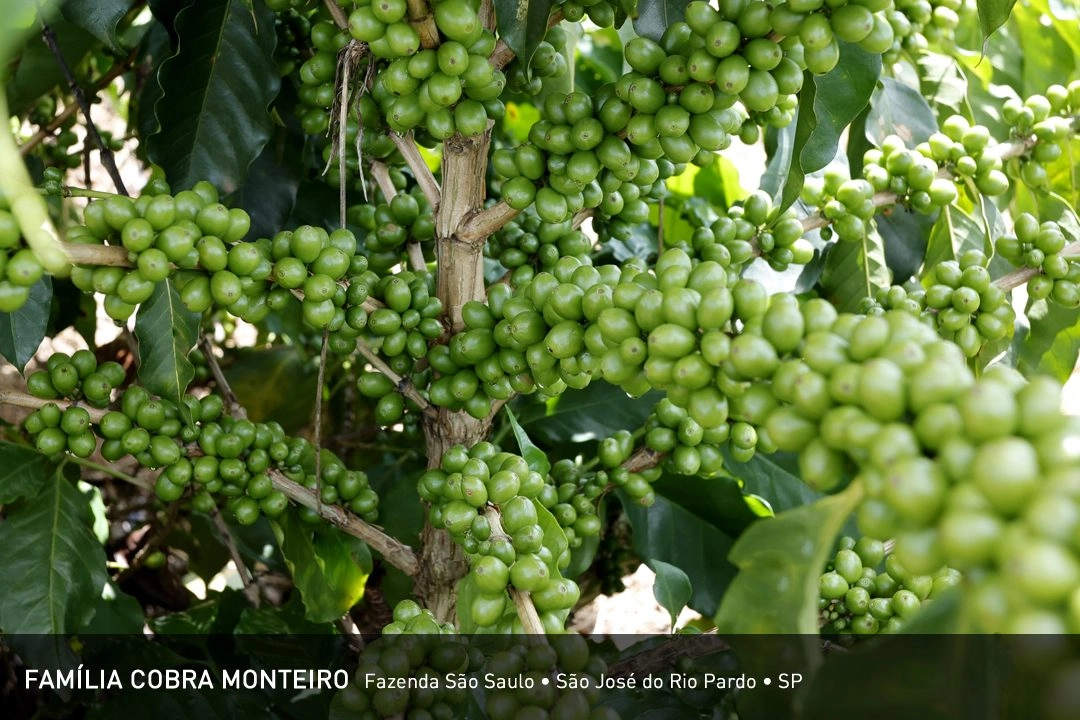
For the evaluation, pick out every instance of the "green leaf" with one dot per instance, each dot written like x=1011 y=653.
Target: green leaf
x=718 y=501
x=954 y=232
x=993 y=14
x=654 y=16
x=25 y=471
x=533 y=455
x=599 y=410
x=780 y=561
x=522 y=24
x=671 y=589
x=719 y=183
x=166 y=332
x=273 y=384
x=53 y=566
x=855 y=270
x=944 y=83
x=554 y=535
x=329 y=568
x=22 y=331
x=829 y=103
x=1052 y=345
x=906 y=235
x=773 y=477
x=36 y=71
x=98 y=18
x=671 y=533
x=212 y=116
x=897 y=109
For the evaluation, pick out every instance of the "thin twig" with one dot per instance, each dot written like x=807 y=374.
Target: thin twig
x=404 y=387
x=23 y=400
x=526 y=611
x=643 y=458
x=235 y=408
x=415 y=254
x=251 y=588
x=321 y=379
x=420 y=170
x=581 y=216
x=1018 y=277
x=113 y=472
x=381 y=174
x=337 y=14
x=91 y=130
x=104 y=81
x=393 y=550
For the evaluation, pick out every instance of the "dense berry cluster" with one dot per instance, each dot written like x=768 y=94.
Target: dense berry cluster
x=865 y=590
x=198 y=444
x=966 y=307
x=510 y=520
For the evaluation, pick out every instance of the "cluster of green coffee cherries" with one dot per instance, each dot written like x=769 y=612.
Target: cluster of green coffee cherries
x=1040 y=246
x=511 y=523
x=920 y=24
x=865 y=590
x=417 y=648
x=529 y=242
x=19 y=268
x=965 y=305
x=916 y=176
x=749 y=229
x=1048 y=121
x=408 y=217
x=196 y=445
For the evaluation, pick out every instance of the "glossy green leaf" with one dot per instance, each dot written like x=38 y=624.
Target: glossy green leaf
x=35 y=71
x=597 y=411
x=671 y=533
x=906 y=236
x=273 y=384
x=533 y=455
x=53 y=566
x=944 y=84
x=25 y=471
x=828 y=104
x=897 y=109
x=654 y=16
x=953 y=233
x=329 y=568
x=775 y=478
x=212 y=116
x=780 y=561
x=719 y=183
x=99 y=18
x=22 y=331
x=718 y=501
x=671 y=588
x=855 y=270
x=554 y=535
x=166 y=331
x=993 y=14
x=1052 y=345
x=522 y=24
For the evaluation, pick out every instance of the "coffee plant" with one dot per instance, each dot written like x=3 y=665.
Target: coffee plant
x=436 y=318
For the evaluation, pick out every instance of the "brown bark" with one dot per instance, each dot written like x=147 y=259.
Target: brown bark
x=460 y=279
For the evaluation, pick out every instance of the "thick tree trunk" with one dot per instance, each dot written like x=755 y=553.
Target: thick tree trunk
x=460 y=279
